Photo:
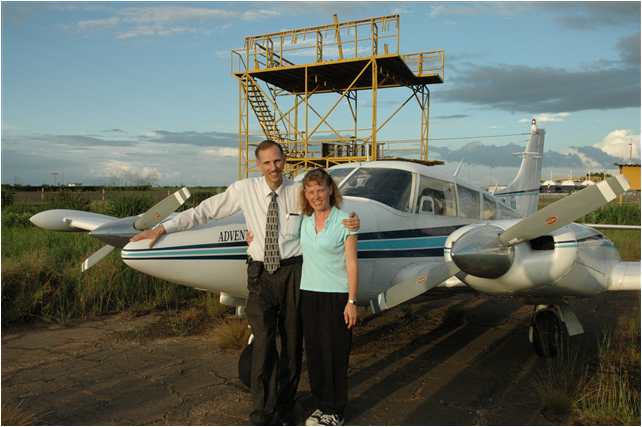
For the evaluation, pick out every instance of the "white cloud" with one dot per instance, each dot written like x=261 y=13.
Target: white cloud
x=168 y=20
x=586 y=160
x=621 y=143
x=151 y=31
x=221 y=152
x=126 y=173
x=98 y=24
x=172 y=14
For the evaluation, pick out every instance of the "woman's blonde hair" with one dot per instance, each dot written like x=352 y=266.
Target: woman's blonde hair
x=321 y=177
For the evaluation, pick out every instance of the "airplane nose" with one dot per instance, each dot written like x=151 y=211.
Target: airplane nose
x=480 y=253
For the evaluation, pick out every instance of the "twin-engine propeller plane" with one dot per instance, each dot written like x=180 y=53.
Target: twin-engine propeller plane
x=420 y=227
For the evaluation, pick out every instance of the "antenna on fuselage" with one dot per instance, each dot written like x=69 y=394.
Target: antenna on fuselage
x=461 y=162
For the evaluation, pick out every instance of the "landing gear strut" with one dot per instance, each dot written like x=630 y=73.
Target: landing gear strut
x=547 y=332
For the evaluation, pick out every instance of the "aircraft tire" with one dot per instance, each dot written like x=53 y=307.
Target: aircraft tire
x=549 y=334
x=245 y=365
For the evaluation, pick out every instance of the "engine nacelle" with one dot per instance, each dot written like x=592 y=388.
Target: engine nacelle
x=533 y=266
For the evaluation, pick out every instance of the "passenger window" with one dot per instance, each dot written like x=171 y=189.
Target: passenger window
x=436 y=197
x=468 y=202
x=490 y=208
x=388 y=186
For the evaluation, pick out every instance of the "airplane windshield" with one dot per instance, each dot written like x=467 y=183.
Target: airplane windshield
x=388 y=186
x=339 y=173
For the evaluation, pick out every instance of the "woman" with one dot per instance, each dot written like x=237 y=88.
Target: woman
x=328 y=292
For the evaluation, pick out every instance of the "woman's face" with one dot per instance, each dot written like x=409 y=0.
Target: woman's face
x=317 y=195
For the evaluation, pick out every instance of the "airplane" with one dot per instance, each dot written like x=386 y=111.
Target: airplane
x=421 y=227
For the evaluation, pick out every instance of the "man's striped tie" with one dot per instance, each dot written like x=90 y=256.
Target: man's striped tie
x=271 y=257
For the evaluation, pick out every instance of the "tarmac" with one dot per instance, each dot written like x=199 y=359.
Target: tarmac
x=441 y=359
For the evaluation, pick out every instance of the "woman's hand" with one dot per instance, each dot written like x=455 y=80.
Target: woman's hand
x=350 y=315
x=249 y=237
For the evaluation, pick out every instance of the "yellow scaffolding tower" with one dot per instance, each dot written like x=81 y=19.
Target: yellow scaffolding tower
x=344 y=58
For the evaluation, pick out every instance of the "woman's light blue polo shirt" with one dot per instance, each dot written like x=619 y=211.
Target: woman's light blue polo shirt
x=324 y=261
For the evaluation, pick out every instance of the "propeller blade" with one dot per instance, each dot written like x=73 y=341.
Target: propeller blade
x=428 y=278
x=565 y=211
x=162 y=209
x=94 y=258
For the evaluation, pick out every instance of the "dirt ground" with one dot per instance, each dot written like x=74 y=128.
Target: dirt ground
x=442 y=359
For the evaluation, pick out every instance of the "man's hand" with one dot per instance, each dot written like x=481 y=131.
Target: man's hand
x=350 y=315
x=249 y=237
x=352 y=223
x=153 y=234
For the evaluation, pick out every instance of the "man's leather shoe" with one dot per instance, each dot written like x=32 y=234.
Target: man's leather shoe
x=259 y=418
x=286 y=419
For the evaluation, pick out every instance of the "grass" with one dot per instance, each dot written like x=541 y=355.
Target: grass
x=595 y=389
x=232 y=334
x=627 y=243
x=41 y=279
x=609 y=395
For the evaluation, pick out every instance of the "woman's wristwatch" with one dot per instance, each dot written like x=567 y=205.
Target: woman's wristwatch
x=352 y=301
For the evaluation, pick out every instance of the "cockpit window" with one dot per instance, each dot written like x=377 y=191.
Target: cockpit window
x=388 y=186
x=339 y=173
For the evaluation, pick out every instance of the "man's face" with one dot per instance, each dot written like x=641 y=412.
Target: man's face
x=270 y=162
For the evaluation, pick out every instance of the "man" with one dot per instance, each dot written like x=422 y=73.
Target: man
x=271 y=208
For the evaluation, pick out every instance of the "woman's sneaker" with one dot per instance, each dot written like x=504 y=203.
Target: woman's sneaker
x=315 y=418
x=331 y=420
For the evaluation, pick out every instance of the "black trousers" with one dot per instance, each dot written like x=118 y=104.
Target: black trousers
x=327 y=348
x=273 y=308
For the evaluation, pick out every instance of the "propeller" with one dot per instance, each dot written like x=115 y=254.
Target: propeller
x=162 y=209
x=150 y=218
x=486 y=251
x=428 y=278
x=565 y=210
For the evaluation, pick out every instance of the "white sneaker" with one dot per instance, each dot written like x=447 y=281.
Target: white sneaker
x=331 y=420
x=315 y=418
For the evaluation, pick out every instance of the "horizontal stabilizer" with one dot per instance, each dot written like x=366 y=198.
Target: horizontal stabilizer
x=423 y=279
x=69 y=220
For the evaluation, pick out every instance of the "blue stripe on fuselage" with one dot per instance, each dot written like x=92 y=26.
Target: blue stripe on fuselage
x=422 y=242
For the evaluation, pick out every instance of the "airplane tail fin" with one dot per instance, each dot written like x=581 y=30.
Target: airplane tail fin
x=523 y=193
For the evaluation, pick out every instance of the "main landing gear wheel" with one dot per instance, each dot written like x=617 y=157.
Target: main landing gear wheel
x=548 y=333
x=245 y=365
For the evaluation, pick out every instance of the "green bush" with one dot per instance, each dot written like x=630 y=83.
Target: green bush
x=8 y=197
x=614 y=213
x=41 y=278
x=68 y=200
x=16 y=219
x=128 y=205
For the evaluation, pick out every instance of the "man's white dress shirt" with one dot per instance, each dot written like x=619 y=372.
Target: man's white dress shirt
x=252 y=197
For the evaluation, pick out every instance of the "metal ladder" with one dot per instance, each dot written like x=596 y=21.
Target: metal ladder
x=261 y=109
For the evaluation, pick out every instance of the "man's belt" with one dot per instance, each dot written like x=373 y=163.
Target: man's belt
x=288 y=261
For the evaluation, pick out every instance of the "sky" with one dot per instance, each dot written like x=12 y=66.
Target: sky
x=107 y=92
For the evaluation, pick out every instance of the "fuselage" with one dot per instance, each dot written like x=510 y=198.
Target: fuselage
x=405 y=224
